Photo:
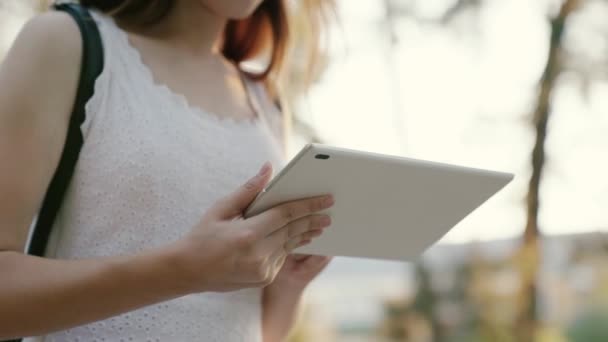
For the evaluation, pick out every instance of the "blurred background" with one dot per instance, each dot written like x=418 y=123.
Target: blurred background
x=511 y=85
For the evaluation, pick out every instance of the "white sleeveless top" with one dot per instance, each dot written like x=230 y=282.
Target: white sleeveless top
x=149 y=168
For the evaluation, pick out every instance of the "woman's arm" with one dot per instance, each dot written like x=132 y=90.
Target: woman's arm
x=281 y=299
x=280 y=312
x=39 y=295
x=38 y=81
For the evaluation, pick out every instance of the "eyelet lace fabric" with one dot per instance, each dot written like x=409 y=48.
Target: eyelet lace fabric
x=149 y=168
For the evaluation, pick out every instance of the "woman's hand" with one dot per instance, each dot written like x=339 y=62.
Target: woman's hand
x=226 y=252
x=281 y=298
x=297 y=272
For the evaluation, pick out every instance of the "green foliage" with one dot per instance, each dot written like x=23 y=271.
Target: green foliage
x=591 y=326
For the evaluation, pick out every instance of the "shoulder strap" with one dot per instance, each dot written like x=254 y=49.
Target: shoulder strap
x=91 y=67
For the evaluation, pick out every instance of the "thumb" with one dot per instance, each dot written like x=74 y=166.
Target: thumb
x=316 y=263
x=235 y=203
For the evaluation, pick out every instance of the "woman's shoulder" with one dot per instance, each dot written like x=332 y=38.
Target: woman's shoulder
x=50 y=46
x=45 y=59
x=53 y=35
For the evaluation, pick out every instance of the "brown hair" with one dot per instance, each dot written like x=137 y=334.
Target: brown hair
x=267 y=28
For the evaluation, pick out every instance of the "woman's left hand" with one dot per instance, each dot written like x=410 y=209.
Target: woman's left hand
x=282 y=297
x=298 y=271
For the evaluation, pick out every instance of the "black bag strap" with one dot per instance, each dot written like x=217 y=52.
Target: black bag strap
x=91 y=67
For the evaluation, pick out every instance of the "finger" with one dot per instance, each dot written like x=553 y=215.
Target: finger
x=297 y=241
x=281 y=215
x=304 y=228
x=315 y=263
x=300 y=257
x=303 y=243
x=287 y=255
x=291 y=245
x=298 y=227
x=308 y=223
x=235 y=203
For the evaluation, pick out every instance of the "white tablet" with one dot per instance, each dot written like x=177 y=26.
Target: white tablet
x=386 y=207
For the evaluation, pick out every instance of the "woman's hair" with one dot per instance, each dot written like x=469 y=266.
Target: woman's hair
x=243 y=39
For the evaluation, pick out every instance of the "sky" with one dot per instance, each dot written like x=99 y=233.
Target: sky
x=463 y=96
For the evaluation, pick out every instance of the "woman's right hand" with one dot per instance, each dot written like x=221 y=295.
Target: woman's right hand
x=226 y=252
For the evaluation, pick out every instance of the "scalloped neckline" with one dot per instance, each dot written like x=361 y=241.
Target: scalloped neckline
x=179 y=98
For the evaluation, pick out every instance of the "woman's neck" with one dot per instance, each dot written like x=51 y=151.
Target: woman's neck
x=190 y=27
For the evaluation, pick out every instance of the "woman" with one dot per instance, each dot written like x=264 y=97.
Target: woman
x=150 y=244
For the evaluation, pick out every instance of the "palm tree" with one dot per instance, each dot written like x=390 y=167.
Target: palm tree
x=529 y=253
x=530 y=247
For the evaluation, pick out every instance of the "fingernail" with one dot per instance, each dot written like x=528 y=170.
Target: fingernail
x=304 y=242
x=325 y=221
x=328 y=201
x=264 y=170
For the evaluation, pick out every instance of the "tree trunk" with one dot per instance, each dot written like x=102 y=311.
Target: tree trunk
x=530 y=249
